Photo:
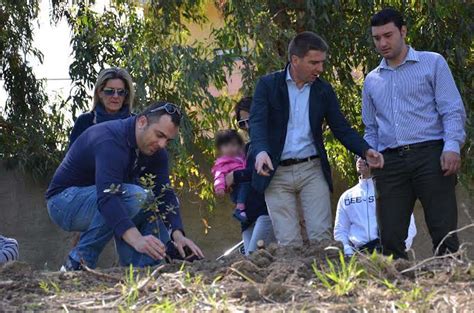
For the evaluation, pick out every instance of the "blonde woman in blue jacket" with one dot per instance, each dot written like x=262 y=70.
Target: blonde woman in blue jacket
x=113 y=99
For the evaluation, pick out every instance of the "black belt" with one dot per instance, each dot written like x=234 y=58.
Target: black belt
x=413 y=146
x=289 y=162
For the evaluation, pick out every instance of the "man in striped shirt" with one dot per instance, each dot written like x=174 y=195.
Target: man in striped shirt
x=414 y=115
x=8 y=249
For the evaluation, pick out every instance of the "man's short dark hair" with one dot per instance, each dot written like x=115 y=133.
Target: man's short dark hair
x=243 y=105
x=227 y=136
x=386 y=16
x=156 y=110
x=304 y=42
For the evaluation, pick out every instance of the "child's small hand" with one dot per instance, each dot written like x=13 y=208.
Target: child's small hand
x=220 y=192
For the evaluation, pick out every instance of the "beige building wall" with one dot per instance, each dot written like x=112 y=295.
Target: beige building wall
x=23 y=215
x=204 y=33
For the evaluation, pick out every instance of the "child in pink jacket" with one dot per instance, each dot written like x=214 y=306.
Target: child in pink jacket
x=230 y=147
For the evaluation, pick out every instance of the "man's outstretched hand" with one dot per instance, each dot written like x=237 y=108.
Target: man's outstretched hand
x=374 y=159
x=263 y=164
x=181 y=241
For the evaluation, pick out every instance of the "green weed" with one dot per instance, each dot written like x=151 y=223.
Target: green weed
x=414 y=298
x=130 y=288
x=340 y=278
x=165 y=306
x=49 y=287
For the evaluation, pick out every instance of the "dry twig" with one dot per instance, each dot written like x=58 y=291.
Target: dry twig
x=142 y=284
x=439 y=257
x=242 y=275
x=452 y=233
x=101 y=275
x=6 y=283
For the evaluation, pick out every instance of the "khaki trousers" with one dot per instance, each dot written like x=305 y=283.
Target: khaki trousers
x=304 y=183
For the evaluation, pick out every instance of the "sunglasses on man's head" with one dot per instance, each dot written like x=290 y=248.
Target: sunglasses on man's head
x=112 y=92
x=170 y=108
x=243 y=123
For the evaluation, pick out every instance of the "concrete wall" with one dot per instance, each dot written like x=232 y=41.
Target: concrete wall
x=23 y=215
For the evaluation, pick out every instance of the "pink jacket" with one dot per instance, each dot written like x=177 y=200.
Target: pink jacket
x=223 y=166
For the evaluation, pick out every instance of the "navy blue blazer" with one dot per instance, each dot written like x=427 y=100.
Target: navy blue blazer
x=269 y=121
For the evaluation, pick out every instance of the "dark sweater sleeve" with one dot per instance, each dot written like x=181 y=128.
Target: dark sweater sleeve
x=111 y=163
x=243 y=176
x=169 y=202
x=83 y=122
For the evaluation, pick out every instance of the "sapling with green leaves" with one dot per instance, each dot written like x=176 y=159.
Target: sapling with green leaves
x=153 y=202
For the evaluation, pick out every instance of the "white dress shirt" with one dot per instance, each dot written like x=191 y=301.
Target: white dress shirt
x=299 y=141
x=356 y=222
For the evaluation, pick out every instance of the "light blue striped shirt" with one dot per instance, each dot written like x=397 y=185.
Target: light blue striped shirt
x=415 y=102
x=299 y=141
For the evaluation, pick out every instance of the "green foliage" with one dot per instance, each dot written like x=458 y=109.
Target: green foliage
x=49 y=287
x=44 y=286
x=153 y=42
x=341 y=278
x=32 y=129
x=130 y=289
x=153 y=202
x=166 y=306
x=415 y=298
x=379 y=262
x=193 y=290
x=259 y=32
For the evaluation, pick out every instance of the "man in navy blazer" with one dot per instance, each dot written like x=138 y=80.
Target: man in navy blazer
x=289 y=109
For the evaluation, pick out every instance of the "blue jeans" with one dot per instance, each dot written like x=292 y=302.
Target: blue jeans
x=75 y=209
x=261 y=230
x=239 y=193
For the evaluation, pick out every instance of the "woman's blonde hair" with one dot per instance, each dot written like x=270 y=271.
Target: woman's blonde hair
x=114 y=73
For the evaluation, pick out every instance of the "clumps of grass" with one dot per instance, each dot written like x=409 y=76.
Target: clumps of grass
x=344 y=275
x=130 y=289
x=165 y=306
x=378 y=267
x=347 y=276
x=49 y=287
x=340 y=278
x=414 y=297
x=362 y=282
x=417 y=297
x=167 y=292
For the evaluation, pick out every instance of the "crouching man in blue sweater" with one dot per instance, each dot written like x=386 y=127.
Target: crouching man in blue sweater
x=95 y=191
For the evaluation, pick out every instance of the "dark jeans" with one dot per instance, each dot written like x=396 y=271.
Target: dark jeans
x=239 y=192
x=75 y=209
x=371 y=246
x=407 y=176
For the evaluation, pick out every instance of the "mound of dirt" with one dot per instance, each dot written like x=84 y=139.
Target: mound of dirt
x=275 y=278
